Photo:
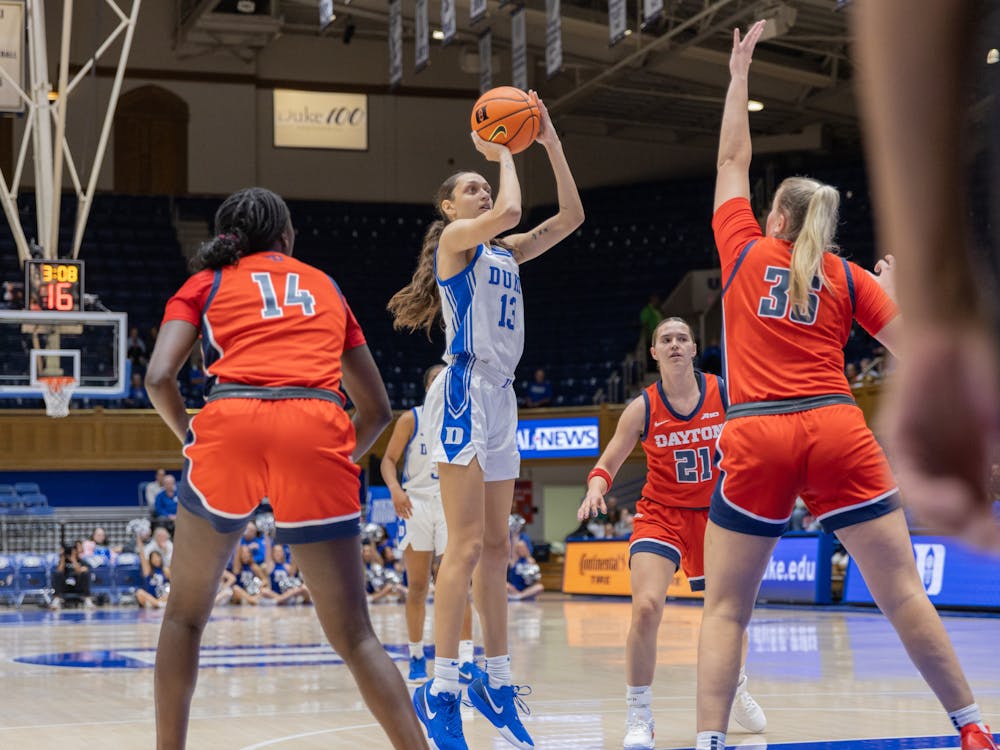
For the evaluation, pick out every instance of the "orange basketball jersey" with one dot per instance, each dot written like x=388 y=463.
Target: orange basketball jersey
x=270 y=320
x=680 y=449
x=771 y=352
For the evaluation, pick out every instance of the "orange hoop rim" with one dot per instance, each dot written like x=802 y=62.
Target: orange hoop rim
x=55 y=383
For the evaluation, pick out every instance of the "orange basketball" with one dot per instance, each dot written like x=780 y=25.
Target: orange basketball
x=507 y=115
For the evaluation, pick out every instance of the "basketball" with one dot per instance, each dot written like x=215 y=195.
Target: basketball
x=507 y=115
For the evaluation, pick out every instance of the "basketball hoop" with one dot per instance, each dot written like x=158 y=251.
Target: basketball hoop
x=57 y=390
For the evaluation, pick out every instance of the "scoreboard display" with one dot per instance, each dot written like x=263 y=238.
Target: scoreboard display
x=53 y=285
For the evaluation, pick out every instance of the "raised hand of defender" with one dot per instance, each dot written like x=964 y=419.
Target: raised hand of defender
x=592 y=506
x=885 y=275
x=546 y=132
x=742 y=55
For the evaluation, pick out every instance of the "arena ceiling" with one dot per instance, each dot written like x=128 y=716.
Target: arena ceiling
x=664 y=84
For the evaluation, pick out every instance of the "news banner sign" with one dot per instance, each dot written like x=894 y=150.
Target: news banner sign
x=799 y=570
x=953 y=575
x=565 y=437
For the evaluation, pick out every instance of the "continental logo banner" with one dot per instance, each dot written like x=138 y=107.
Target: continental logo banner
x=601 y=568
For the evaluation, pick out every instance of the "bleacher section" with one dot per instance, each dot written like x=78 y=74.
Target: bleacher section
x=582 y=299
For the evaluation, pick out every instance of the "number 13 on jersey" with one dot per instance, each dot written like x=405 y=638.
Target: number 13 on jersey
x=508 y=307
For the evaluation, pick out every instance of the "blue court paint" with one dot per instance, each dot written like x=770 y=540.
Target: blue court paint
x=275 y=655
x=33 y=618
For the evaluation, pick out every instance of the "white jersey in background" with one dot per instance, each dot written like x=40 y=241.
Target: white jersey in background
x=484 y=312
x=420 y=478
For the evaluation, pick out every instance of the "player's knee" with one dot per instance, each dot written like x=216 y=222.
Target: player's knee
x=496 y=548
x=465 y=553
x=418 y=590
x=647 y=610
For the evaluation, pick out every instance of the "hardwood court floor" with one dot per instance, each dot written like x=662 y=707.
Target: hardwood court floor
x=75 y=678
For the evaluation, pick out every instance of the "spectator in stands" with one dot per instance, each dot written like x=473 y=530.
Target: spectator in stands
x=524 y=576
x=539 y=391
x=256 y=542
x=283 y=583
x=153 y=488
x=649 y=318
x=711 y=357
x=852 y=374
x=71 y=577
x=156 y=578
x=137 y=397
x=136 y=349
x=160 y=543
x=379 y=582
x=165 y=506
x=624 y=524
x=196 y=376
x=98 y=546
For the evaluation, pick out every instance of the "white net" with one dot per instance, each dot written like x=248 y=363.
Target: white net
x=57 y=392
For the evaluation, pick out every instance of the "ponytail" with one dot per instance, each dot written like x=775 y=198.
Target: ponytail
x=812 y=211
x=223 y=250
x=248 y=221
x=417 y=305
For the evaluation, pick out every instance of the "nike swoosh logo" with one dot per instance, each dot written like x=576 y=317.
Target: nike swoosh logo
x=465 y=675
x=662 y=421
x=427 y=708
x=489 y=699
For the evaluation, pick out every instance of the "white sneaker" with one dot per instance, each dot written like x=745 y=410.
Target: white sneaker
x=639 y=733
x=746 y=711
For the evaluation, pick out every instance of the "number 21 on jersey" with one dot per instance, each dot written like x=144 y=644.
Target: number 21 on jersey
x=293 y=296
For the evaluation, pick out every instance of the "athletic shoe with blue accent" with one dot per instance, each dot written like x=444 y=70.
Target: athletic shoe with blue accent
x=418 y=669
x=441 y=716
x=501 y=706
x=470 y=671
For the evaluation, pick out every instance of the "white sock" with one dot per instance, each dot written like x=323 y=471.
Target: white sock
x=711 y=741
x=416 y=650
x=466 y=652
x=968 y=715
x=498 y=668
x=639 y=700
x=445 y=676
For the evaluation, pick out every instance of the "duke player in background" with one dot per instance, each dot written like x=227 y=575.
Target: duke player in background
x=471 y=278
x=279 y=337
x=677 y=421
x=793 y=428
x=422 y=530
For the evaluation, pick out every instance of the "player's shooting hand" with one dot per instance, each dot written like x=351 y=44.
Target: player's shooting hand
x=401 y=502
x=742 y=54
x=492 y=151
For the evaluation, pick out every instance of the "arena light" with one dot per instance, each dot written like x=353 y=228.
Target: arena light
x=437 y=34
x=993 y=56
x=628 y=32
x=754 y=106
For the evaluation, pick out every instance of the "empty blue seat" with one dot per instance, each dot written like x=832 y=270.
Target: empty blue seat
x=32 y=579
x=7 y=489
x=102 y=580
x=127 y=574
x=36 y=505
x=27 y=488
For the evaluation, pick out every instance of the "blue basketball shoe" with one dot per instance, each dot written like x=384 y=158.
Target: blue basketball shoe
x=470 y=671
x=501 y=706
x=418 y=669
x=441 y=716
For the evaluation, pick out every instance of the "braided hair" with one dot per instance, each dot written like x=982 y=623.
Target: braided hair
x=248 y=221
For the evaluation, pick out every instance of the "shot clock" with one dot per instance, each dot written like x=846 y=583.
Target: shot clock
x=53 y=285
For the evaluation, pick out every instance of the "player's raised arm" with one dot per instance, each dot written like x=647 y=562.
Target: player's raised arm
x=733 y=165
x=389 y=467
x=627 y=433
x=528 y=245
x=495 y=216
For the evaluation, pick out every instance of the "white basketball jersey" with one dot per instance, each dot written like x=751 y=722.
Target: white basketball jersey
x=420 y=477
x=483 y=310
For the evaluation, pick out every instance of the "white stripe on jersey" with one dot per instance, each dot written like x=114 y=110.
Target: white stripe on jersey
x=420 y=478
x=483 y=310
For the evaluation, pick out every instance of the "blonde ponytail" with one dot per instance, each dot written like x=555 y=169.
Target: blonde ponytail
x=812 y=212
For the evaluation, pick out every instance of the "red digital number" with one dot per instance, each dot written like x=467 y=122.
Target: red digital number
x=58 y=296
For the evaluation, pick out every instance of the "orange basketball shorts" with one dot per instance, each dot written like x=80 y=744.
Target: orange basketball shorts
x=295 y=452
x=677 y=534
x=827 y=456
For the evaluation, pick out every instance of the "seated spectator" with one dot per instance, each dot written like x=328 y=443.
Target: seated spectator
x=136 y=348
x=623 y=527
x=249 y=575
x=156 y=578
x=98 y=546
x=284 y=585
x=649 y=318
x=137 y=397
x=379 y=582
x=153 y=488
x=539 y=391
x=165 y=506
x=255 y=542
x=71 y=578
x=524 y=576
x=160 y=543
